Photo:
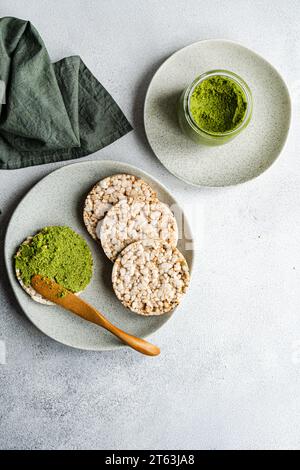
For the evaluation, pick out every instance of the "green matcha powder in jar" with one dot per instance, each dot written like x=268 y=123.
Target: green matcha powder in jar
x=215 y=108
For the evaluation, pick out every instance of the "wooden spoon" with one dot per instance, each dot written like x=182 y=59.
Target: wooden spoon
x=66 y=299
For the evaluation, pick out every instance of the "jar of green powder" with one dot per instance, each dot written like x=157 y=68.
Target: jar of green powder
x=215 y=108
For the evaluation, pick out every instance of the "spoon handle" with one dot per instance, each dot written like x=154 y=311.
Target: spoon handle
x=91 y=314
x=134 y=342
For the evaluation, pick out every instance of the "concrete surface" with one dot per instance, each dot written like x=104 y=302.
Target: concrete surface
x=229 y=372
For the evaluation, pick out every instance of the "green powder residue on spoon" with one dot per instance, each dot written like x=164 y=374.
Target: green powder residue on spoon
x=218 y=104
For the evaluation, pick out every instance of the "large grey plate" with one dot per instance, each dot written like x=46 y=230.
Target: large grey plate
x=58 y=200
x=249 y=154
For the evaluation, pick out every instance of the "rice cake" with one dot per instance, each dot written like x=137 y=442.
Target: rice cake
x=133 y=220
x=42 y=247
x=150 y=277
x=108 y=192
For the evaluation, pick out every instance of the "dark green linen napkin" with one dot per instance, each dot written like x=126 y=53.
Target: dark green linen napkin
x=51 y=112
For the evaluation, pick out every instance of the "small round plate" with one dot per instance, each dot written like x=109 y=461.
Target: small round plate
x=250 y=153
x=58 y=200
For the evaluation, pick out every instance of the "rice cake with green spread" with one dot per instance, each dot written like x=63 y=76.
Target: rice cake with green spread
x=133 y=220
x=58 y=253
x=150 y=277
x=108 y=192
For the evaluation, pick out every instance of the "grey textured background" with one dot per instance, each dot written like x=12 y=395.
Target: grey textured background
x=229 y=372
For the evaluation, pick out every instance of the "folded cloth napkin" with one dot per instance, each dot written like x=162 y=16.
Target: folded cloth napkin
x=50 y=112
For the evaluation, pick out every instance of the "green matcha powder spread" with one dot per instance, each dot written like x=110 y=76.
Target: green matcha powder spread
x=57 y=253
x=218 y=104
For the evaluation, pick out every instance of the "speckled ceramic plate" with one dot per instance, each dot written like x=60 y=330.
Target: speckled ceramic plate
x=249 y=154
x=58 y=200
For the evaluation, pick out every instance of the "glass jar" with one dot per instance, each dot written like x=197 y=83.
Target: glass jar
x=191 y=128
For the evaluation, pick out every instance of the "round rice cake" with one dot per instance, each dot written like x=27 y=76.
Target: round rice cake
x=30 y=240
x=133 y=220
x=108 y=192
x=150 y=277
